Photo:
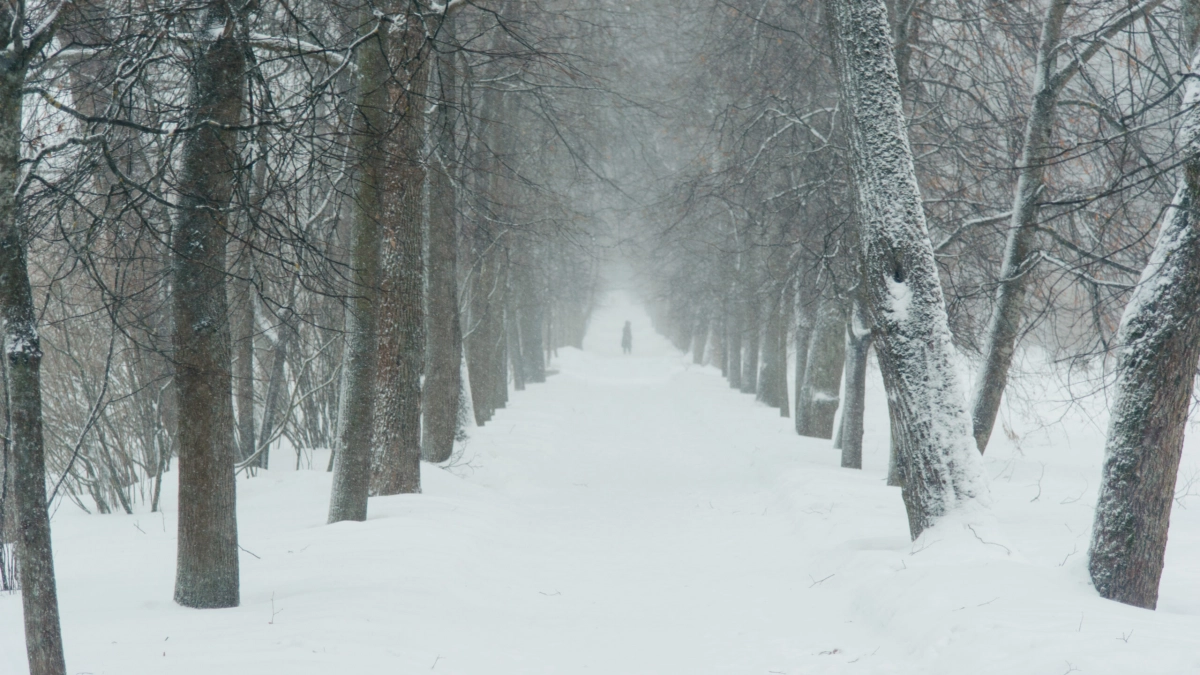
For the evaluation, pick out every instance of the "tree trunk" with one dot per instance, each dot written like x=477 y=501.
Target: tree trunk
x=858 y=344
x=752 y=342
x=276 y=386
x=512 y=327
x=772 y=379
x=401 y=289
x=356 y=404
x=485 y=327
x=1156 y=367
x=817 y=397
x=803 y=337
x=23 y=356
x=940 y=464
x=700 y=337
x=242 y=330
x=735 y=326
x=207 y=574
x=440 y=398
x=1005 y=322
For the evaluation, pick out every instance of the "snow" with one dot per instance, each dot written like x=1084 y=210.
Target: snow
x=633 y=515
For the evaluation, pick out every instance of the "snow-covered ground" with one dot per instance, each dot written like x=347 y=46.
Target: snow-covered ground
x=634 y=516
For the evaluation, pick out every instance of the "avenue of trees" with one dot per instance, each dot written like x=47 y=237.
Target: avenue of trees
x=235 y=231
x=919 y=179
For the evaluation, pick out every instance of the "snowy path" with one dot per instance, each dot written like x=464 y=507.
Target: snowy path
x=630 y=516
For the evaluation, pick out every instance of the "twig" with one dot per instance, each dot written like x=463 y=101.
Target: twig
x=1074 y=550
x=990 y=543
x=820 y=581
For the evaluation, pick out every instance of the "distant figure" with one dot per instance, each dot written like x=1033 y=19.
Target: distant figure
x=627 y=339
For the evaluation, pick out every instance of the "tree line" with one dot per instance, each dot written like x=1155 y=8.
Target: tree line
x=231 y=228
x=922 y=178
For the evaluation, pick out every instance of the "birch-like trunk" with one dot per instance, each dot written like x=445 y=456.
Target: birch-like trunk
x=1005 y=323
x=207 y=574
x=1156 y=366
x=932 y=429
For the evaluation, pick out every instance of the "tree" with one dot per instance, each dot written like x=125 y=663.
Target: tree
x=1159 y=342
x=207 y=573
x=23 y=354
x=443 y=366
x=925 y=402
x=1036 y=154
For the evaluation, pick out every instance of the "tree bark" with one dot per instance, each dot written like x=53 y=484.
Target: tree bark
x=803 y=337
x=858 y=344
x=440 y=399
x=817 y=398
x=940 y=464
x=1160 y=347
x=207 y=574
x=23 y=357
x=401 y=289
x=242 y=329
x=356 y=405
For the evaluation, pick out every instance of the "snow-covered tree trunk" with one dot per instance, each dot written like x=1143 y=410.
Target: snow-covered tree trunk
x=1005 y=323
x=1159 y=341
x=858 y=345
x=207 y=573
x=940 y=464
x=356 y=404
x=817 y=396
x=440 y=399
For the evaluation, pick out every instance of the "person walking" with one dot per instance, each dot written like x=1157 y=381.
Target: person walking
x=627 y=338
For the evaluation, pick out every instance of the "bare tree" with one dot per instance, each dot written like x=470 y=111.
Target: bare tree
x=1159 y=342
x=926 y=406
